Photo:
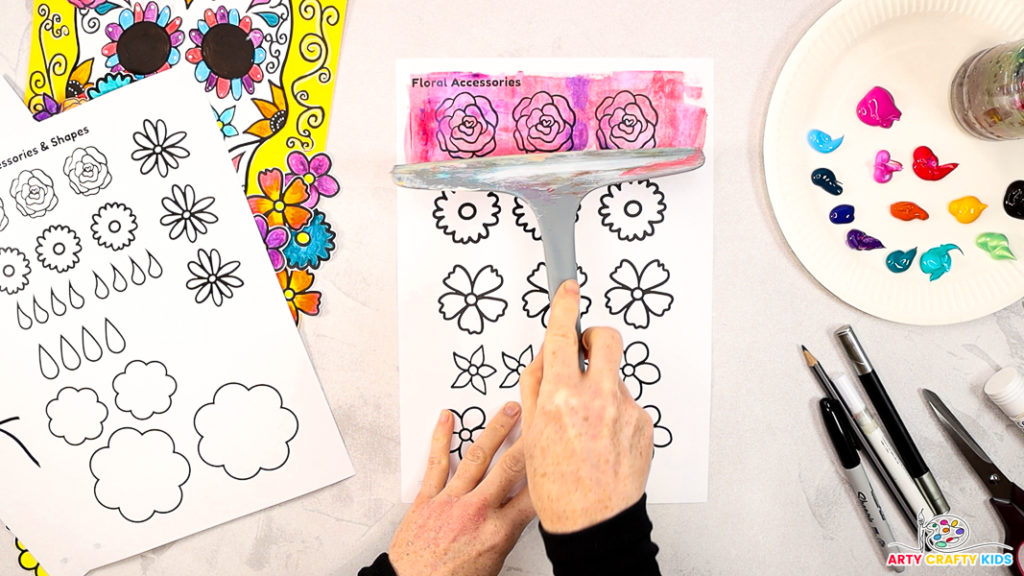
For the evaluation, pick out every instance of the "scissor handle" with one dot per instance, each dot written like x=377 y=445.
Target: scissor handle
x=1013 y=521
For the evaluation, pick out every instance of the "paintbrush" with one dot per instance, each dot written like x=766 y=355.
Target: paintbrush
x=553 y=185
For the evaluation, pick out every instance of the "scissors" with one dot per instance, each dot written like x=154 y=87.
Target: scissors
x=1007 y=497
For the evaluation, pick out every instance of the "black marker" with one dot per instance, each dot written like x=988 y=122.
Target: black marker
x=842 y=440
x=901 y=439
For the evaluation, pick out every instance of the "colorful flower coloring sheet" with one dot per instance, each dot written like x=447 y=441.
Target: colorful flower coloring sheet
x=268 y=68
x=473 y=298
x=153 y=383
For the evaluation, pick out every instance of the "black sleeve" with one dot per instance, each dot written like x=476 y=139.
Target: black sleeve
x=619 y=545
x=380 y=567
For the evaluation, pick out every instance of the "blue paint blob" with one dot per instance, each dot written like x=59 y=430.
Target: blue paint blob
x=826 y=180
x=822 y=142
x=937 y=261
x=899 y=261
x=842 y=214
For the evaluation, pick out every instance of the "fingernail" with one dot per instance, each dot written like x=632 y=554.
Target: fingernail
x=445 y=415
x=511 y=409
x=572 y=287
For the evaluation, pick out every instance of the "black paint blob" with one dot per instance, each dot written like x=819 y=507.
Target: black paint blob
x=1013 y=201
x=826 y=180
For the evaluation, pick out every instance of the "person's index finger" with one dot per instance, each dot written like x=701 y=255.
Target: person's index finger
x=561 y=344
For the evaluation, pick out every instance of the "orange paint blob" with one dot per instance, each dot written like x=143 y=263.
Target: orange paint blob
x=908 y=211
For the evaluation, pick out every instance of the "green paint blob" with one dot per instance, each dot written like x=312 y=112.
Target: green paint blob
x=996 y=244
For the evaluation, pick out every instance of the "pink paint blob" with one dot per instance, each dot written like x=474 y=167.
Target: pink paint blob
x=463 y=114
x=877 y=108
x=885 y=166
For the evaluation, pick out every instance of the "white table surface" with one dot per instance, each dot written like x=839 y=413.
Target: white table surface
x=777 y=502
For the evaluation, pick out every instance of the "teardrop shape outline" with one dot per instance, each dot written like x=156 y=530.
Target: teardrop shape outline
x=137 y=269
x=21 y=314
x=120 y=283
x=76 y=359
x=154 y=264
x=74 y=296
x=57 y=305
x=119 y=342
x=87 y=337
x=42 y=369
x=40 y=313
x=105 y=292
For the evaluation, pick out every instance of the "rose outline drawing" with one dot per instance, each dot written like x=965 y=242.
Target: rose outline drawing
x=466 y=126
x=544 y=123
x=626 y=121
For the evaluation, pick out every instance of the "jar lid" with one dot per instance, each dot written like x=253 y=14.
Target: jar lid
x=1006 y=389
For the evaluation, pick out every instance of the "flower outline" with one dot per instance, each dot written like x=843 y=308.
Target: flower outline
x=630 y=210
x=543 y=123
x=466 y=216
x=473 y=371
x=114 y=226
x=466 y=126
x=470 y=301
x=626 y=121
x=635 y=293
x=537 y=302
x=468 y=425
x=212 y=278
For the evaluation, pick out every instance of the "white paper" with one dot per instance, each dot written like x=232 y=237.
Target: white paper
x=678 y=342
x=160 y=407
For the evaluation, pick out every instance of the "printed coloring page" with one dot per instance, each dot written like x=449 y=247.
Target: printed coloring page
x=473 y=294
x=153 y=384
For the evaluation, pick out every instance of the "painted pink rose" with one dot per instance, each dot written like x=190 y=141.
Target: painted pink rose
x=466 y=126
x=543 y=123
x=626 y=121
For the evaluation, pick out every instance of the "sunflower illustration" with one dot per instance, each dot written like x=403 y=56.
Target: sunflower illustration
x=275 y=114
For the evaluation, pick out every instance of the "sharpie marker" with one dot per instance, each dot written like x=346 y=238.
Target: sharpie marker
x=878 y=526
x=901 y=439
x=901 y=480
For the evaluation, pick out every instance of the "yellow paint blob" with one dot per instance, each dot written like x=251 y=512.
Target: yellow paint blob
x=967 y=209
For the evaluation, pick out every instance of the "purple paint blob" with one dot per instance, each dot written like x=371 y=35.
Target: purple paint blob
x=885 y=166
x=877 y=108
x=842 y=214
x=858 y=240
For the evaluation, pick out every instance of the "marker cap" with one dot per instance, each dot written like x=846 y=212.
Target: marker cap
x=849 y=394
x=1006 y=390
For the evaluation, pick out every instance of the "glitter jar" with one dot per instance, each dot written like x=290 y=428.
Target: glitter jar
x=987 y=94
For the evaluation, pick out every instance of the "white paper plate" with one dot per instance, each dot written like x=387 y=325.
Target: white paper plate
x=912 y=48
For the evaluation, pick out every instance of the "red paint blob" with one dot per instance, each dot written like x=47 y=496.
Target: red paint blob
x=926 y=165
x=908 y=211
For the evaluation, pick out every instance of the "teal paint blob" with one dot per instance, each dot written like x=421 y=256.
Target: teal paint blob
x=822 y=142
x=937 y=261
x=899 y=261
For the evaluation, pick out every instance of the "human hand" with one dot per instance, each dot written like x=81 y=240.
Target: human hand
x=465 y=527
x=588 y=445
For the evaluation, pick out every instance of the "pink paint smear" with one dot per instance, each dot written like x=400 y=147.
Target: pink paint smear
x=467 y=115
